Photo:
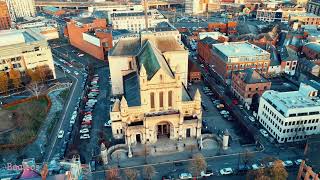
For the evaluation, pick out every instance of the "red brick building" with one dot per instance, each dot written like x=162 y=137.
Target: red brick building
x=194 y=72
x=312 y=50
x=248 y=83
x=91 y=36
x=228 y=28
x=225 y=58
x=5 y=22
x=204 y=49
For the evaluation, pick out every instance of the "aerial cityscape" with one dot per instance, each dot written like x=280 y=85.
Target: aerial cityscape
x=160 y=89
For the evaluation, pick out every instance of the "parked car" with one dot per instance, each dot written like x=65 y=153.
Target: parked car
x=93 y=165
x=204 y=124
x=251 y=119
x=167 y=177
x=220 y=106
x=264 y=132
x=255 y=167
x=85 y=136
x=298 y=162
x=226 y=171
x=287 y=163
x=108 y=124
x=206 y=173
x=60 y=134
x=185 y=176
x=85 y=130
x=224 y=112
x=85 y=126
x=86 y=123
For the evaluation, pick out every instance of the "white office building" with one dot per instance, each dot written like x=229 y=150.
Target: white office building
x=135 y=20
x=290 y=116
x=21 y=8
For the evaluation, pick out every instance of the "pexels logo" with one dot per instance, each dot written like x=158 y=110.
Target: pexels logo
x=14 y=167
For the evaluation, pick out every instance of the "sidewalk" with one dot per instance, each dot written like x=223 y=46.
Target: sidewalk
x=37 y=148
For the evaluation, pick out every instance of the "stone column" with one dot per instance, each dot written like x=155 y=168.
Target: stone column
x=129 y=151
x=104 y=154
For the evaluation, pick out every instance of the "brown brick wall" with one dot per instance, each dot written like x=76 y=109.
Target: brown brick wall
x=311 y=54
x=248 y=90
x=5 y=22
x=75 y=37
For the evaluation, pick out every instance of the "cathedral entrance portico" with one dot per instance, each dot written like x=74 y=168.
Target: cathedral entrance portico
x=163 y=130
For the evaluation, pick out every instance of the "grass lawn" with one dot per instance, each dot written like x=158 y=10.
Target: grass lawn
x=28 y=118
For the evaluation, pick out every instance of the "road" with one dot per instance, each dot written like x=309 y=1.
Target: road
x=54 y=149
x=89 y=149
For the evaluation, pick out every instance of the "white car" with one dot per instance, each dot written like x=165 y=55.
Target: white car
x=252 y=119
x=84 y=130
x=76 y=73
x=255 y=167
x=298 y=162
x=264 y=132
x=185 y=176
x=224 y=112
x=287 y=163
x=80 y=55
x=85 y=136
x=226 y=171
x=87 y=119
x=108 y=124
x=206 y=173
x=60 y=134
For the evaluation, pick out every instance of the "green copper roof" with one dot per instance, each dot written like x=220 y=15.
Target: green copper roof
x=149 y=60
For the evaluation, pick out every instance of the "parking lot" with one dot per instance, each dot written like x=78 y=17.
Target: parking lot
x=218 y=120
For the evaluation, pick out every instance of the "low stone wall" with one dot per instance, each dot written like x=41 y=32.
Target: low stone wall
x=116 y=147
x=14 y=103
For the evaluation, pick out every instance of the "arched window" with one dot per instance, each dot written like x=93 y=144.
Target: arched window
x=170 y=98
x=161 y=99
x=152 y=100
x=161 y=78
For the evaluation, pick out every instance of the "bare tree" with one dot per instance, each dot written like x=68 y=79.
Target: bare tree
x=131 y=174
x=113 y=174
x=247 y=157
x=148 y=172
x=197 y=164
x=36 y=89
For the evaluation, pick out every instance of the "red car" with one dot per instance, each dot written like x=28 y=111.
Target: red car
x=86 y=123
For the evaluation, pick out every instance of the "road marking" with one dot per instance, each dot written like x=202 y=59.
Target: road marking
x=63 y=117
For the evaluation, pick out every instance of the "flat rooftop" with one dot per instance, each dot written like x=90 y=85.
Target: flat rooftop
x=294 y=101
x=13 y=37
x=86 y=20
x=303 y=14
x=237 y=49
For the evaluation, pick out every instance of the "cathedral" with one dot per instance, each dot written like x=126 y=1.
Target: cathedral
x=149 y=75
